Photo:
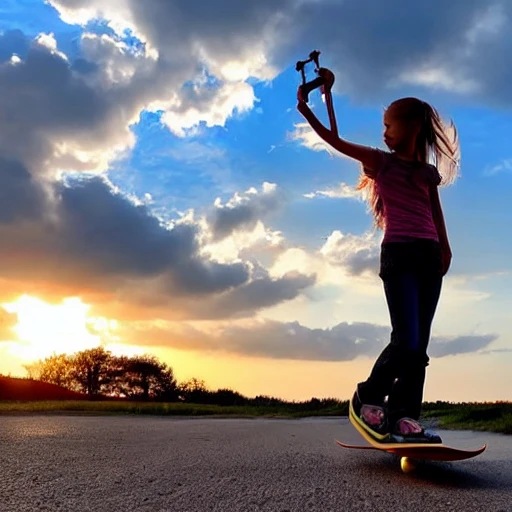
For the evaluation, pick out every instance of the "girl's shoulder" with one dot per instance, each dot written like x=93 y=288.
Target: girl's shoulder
x=383 y=159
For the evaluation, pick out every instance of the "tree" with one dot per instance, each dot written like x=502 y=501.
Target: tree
x=117 y=384
x=91 y=370
x=56 y=369
x=98 y=371
x=228 y=397
x=146 y=377
x=167 y=386
x=194 y=390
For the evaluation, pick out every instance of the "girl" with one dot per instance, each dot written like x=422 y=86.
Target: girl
x=402 y=190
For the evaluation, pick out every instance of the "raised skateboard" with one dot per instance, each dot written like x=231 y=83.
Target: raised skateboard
x=410 y=452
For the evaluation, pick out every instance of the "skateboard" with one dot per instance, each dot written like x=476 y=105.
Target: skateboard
x=409 y=453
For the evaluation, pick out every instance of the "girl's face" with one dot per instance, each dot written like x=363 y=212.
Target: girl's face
x=398 y=134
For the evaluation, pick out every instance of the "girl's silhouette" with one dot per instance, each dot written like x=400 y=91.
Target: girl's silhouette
x=401 y=186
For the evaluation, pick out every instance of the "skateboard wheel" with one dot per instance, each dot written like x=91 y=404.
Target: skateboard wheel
x=406 y=464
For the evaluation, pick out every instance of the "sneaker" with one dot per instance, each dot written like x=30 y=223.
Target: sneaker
x=371 y=417
x=407 y=430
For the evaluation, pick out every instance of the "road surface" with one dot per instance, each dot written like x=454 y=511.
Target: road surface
x=160 y=464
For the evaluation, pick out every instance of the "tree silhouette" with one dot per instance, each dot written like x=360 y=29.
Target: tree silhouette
x=91 y=370
x=97 y=371
x=146 y=377
x=55 y=369
x=194 y=390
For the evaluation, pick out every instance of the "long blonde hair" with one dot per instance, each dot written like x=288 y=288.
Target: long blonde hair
x=437 y=144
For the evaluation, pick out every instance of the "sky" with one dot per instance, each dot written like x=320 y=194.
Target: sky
x=161 y=194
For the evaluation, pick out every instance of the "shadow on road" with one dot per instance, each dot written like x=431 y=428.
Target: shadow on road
x=476 y=475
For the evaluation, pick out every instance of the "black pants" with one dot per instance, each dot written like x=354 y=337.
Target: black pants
x=412 y=278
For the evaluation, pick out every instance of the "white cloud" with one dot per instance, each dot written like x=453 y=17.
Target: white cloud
x=308 y=138
x=488 y=24
x=503 y=166
x=49 y=41
x=357 y=254
x=434 y=76
x=209 y=105
x=342 y=191
x=344 y=260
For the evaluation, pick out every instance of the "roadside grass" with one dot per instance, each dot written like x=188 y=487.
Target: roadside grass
x=165 y=409
x=490 y=417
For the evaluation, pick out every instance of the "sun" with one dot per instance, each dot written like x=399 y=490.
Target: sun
x=43 y=329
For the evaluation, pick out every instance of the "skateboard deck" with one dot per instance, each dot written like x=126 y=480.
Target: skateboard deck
x=409 y=452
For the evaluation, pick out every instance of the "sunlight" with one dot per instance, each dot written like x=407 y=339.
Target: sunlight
x=43 y=328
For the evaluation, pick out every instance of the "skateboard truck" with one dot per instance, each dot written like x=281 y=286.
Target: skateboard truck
x=324 y=81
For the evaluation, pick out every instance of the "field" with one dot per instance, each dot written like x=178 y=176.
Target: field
x=24 y=396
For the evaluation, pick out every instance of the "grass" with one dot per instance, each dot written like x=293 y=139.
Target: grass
x=495 y=417
x=490 y=417
x=165 y=409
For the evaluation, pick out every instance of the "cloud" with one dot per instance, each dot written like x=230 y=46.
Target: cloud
x=194 y=61
x=288 y=340
x=357 y=254
x=442 y=347
x=105 y=244
x=497 y=351
x=308 y=138
x=22 y=197
x=453 y=47
x=53 y=119
x=343 y=191
x=63 y=232
x=243 y=211
x=503 y=166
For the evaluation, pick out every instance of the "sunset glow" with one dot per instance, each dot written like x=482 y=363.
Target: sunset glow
x=162 y=195
x=43 y=328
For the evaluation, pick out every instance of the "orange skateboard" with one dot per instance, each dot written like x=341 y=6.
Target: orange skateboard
x=409 y=452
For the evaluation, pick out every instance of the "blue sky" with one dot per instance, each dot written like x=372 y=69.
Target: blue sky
x=176 y=119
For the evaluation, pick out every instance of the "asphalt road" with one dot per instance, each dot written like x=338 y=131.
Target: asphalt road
x=153 y=464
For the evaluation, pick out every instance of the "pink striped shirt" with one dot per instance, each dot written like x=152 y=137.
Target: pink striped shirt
x=404 y=190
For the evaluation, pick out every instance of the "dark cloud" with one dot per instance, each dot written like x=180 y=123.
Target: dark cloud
x=100 y=227
x=21 y=197
x=220 y=31
x=118 y=235
x=13 y=42
x=99 y=241
x=442 y=347
x=244 y=211
x=277 y=340
x=372 y=46
x=44 y=107
x=259 y=293
x=58 y=114
x=362 y=261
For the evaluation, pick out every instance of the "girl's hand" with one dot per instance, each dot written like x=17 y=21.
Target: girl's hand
x=302 y=106
x=300 y=97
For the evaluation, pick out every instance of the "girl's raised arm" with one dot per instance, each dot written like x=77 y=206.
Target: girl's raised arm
x=370 y=158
